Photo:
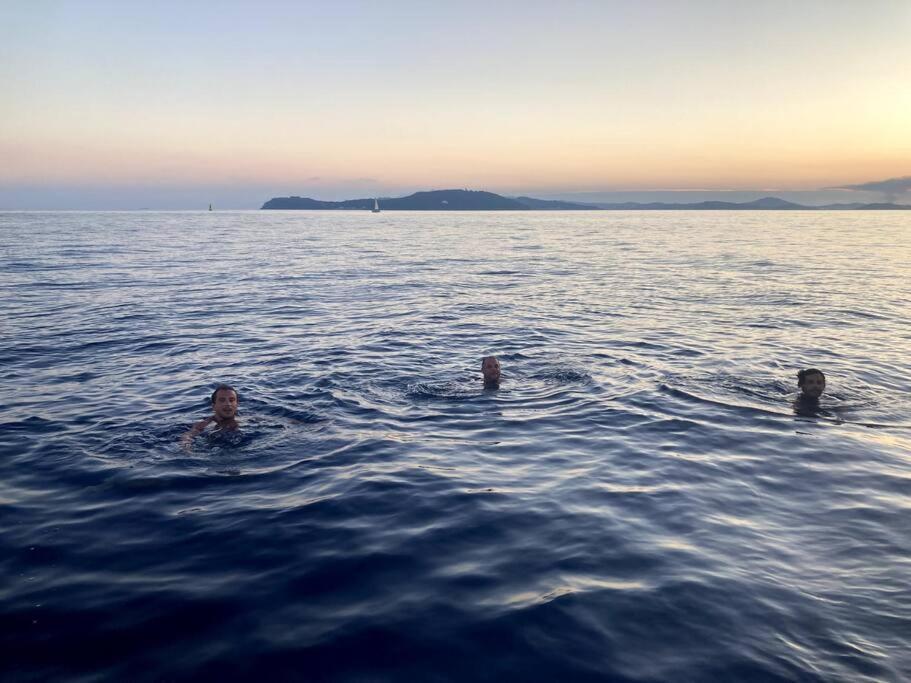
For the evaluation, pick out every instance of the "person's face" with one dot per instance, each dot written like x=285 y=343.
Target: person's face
x=491 y=370
x=813 y=385
x=225 y=405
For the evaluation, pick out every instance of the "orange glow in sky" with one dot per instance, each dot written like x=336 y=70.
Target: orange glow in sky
x=583 y=97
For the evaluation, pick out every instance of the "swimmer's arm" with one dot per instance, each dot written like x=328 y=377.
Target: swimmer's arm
x=187 y=439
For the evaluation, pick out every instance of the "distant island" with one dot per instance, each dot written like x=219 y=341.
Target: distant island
x=436 y=200
x=477 y=200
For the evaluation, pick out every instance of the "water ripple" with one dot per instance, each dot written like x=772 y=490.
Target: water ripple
x=638 y=501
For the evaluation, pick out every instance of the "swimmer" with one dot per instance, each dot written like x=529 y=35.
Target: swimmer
x=811 y=383
x=224 y=414
x=490 y=368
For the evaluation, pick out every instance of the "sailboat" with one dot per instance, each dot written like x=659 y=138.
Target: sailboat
x=376 y=206
x=210 y=207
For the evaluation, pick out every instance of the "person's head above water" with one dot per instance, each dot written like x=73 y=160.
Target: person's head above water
x=490 y=368
x=224 y=403
x=811 y=382
x=224 y=414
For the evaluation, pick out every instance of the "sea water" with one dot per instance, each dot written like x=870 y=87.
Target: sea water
x=639 y=500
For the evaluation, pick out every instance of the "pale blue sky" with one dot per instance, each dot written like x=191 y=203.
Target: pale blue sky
x=235 y=102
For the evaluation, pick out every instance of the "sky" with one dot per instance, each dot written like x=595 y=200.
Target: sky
x=173 y=105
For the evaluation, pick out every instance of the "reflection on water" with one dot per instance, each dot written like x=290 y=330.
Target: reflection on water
x=642 y=499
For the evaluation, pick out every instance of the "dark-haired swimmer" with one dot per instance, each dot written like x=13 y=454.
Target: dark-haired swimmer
x=224 y=414
x=490 y=368
x=811 y=383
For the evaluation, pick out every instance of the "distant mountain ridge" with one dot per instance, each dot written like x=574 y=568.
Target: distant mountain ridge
x=478 y=200
x=764 y=204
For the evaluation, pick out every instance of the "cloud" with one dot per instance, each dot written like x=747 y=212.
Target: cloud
x=891 y=188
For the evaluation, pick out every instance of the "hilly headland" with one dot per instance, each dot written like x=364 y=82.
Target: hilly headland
x=478 y=200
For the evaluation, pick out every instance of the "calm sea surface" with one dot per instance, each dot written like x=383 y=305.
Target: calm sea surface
x=638 y=502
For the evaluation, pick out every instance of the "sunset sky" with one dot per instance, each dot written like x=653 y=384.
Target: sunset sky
x=176 y=104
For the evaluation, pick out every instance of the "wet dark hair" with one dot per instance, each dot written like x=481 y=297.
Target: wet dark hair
x=224 y=387
x=803 y=374
x=485 y=358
